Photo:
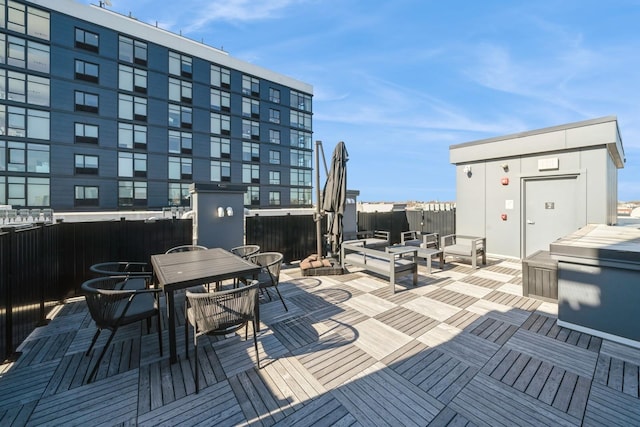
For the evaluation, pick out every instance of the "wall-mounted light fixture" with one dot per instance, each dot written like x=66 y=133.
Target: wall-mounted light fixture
x=467 y=170
x=222 y=212
x=505 y=167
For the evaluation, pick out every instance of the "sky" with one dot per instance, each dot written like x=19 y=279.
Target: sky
x=400 y=81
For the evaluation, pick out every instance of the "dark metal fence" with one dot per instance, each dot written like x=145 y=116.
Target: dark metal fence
x=47 y=263
x=428 y=221
x=292 y=235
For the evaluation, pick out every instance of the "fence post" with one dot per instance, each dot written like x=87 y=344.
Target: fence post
x=8 y=343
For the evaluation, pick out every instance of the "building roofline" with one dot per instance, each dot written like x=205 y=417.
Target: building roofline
x=566 y=126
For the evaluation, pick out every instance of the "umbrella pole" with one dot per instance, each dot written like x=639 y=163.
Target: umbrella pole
x=318 y=213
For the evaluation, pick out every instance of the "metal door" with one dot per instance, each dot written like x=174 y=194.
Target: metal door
x=551 y=211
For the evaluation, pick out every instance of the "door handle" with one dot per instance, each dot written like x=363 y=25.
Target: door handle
x=530 y=221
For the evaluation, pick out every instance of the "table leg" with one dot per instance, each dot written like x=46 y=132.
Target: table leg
x=171 y=320
x=428 y=264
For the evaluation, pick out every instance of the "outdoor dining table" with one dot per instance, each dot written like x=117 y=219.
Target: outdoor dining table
x=181 y=270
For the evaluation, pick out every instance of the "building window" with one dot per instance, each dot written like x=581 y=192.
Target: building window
x=180 y=168
x=132 y=107
x=250 y=174
x=252 y=196
x=301 y=197
x=274 y=95
x=21 y=122
x=132 y=79
x=220 y=171
x=132 y=193
x=220 y=77
x=274 y=136
x=132 y=136
x=178 y=194
x=86 y=195
x=300 y=139
x=220 y=124
x=220 y=100
x=132 y=51
x=274 y=198
x=274 y=115
x=38 y=57
x=16 y=157
x=86 y=71
x=250 y=108
x=20 y=157
x=86 y=102
x=250 y=86
x=21 y=191
x=180 y=65
x=37 y=158
x=180 y=90
x=300 y=120
x=180 y=116
x=86 y=165
x=20 y=87
x=251 y=129
x=301 y=177
x=16 y=19
x=274 y=157
x=301 y=101
x=38 y=23
x=220 y=147
x=87 y=40
x=16 y=52
x=250 y=152
x=301 y=159
x=38 y=90
x=87 y=133
x=132 y=165
x=274 y=177
x=180 y=142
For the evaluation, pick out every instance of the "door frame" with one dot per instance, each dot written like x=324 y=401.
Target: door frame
x=581 y=209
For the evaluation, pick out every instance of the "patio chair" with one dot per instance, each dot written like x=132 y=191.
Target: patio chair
x=460 y=246
x=112 y=307
x=139 y=272
x=420 y=239
x=221 y=313
x=186 y=248
x=269 y=276
x=245 y=251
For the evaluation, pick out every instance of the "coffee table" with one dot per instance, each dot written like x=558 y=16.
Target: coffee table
x=426 y=253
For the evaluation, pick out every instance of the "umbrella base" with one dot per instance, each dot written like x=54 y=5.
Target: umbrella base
x=312 y=266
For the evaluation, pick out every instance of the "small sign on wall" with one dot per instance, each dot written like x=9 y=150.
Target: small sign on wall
x=548 y=164
x=549 y=205
x=508 y=204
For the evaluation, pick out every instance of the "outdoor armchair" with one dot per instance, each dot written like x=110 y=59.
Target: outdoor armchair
x=460 y=246
x=269 y=277
x=111 y=307
x=221 y=313
x=245 y=251
x=138 y=272
x=418 y=238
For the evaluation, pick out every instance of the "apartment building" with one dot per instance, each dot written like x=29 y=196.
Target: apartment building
x=100 y=111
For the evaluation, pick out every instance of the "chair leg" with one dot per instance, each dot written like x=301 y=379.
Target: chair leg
x=196 y=368
x=104 y=350
x=160 y=332
x=186 y=332
x=255 y=343
x=93 y=341
x=281 y=299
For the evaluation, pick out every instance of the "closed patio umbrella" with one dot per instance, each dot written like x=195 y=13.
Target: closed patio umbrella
x=335 y=194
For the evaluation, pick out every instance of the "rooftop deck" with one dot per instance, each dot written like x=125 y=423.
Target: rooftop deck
x=462 y=348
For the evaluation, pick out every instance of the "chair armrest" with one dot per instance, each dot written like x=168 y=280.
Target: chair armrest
x=431 y=239
x=447 y=240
